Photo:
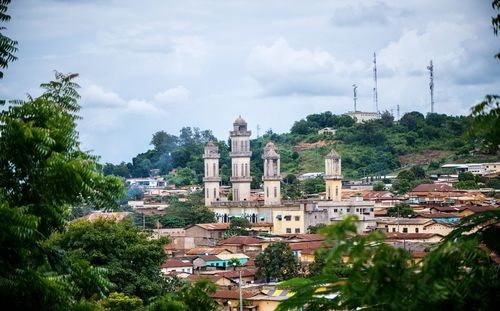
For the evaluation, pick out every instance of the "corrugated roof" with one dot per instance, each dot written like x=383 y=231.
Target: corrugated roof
x=172 y=263
x=433 y=188
x=241 y=240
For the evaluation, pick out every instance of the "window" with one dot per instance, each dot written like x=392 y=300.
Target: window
x=405 y=230
x=288 y=230
x=275 y=192
x=215 y=170
x=242 y=170
x=246 y=169
x=207 y=193
x=206 y=169
x=297 y=218
x=242 y=147
x=393 y=229
x=288 y=217
x=334 y=210
x=416 y=230
x=215 y=192
x=357 y=210
x=267 y=192
x=348 y=210
x=297 y=230
x=337 y=191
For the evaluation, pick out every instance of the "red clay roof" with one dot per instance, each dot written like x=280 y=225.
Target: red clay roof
x=236 y=274
x=212 y=226
x=172 y=263
x=197 y=277
x=439 y=215
x=240 y=240
x=409 y=236
x=433 y=188
x=305 y=245
x=207 y=250
x=305 y=237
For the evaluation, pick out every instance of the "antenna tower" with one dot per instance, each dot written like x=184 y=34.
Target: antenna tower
x=354 y=87
x=375 y=93
x=398 y=110
x=431 y=85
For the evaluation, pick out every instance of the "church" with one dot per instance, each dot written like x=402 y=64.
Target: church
x=287 y=216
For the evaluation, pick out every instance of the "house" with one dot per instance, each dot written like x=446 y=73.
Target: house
x=219 y=261
x=206 y=251
x=218 y=280
x=206 y=234
x=414 y=237
x=269 y=299
x=247 y=275
x=288 y=221
x=177 y=265
x=327 y=130
x=242 y=244
x=230 y=299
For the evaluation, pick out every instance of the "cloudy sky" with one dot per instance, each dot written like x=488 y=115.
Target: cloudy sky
x=160 y=65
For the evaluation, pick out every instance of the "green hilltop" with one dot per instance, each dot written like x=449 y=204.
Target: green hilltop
x=374 y=148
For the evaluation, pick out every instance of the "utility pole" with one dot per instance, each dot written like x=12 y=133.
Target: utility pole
x=398 y=111
x=241 y=295
x=431 y=84
x=354 y=88
x=375 y=93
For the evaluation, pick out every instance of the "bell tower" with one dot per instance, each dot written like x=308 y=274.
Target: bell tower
x=333 y=176
x=240 y=160
x=272 y=175
x=212 y=178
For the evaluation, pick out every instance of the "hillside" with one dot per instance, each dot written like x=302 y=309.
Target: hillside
x=373 y=148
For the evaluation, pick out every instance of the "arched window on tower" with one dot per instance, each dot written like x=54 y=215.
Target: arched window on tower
x=246 y=170
x=215 y=193
x=242 y=146
x=329 y=194
x=275 y=192
x=215 y=169
x=337 y=191
x=206 y=170
x=267 y=192
x=242 y=169
x=206 y=190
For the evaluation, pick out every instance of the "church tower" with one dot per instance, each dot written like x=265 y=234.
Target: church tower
x=333 y=177
x=212 y=178
x=240 y=160
x=272 y=175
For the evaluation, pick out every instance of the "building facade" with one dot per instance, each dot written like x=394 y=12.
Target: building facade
x=240 y=160
x=272 y=176
x=212 y=179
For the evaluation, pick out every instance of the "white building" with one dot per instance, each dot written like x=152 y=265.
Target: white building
x=240 y=160
x=361 y=116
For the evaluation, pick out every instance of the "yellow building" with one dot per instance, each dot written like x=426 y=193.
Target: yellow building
x=286 y=221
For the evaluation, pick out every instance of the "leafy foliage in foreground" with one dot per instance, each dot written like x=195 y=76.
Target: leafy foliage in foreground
x=457 y=275
x=130 y=258
x=43 y=173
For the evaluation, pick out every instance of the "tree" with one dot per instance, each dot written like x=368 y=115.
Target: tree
x=43 y=173
x=277 y=262
x=196 y=296
x=378 y=186
x=401 y=210
x=486 y=122
x=7 y=45
x=315 y=229
x=418 y=172
x=132 y=260
x=238 y=226
x=121 y=302
x=135 y=193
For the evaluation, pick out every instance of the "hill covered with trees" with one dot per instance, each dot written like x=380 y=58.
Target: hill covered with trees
x=374 y=148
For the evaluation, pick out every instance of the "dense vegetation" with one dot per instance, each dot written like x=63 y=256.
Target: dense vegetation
x=373 y=148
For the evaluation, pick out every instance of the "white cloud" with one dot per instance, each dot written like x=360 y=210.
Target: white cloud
x=95 y=96
x=282 y=70
x=190 y=46
x=173 y=95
